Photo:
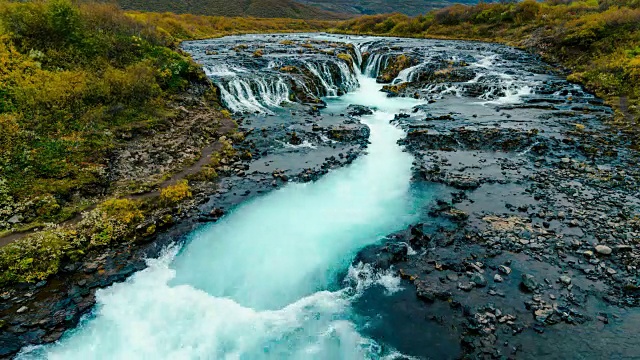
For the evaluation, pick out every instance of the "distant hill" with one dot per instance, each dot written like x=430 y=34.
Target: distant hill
x=255 y=8
x=368 y=7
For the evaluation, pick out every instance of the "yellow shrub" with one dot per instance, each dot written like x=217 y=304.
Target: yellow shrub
x=176 y=193
x=123 y=210
x=8 y=131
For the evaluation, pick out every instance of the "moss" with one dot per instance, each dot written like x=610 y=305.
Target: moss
x=396 y=65
x=290 y=69
x=35 y=257
x=124 y=210
x=151 y=229
x=347 y=58
x=395 y=90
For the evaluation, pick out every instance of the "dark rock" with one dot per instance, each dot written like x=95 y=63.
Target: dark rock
x=359 y=110
x=529 y=283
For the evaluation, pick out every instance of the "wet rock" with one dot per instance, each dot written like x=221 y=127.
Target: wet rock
x=22 y=309
x=497 y=278
x=466 y=286
x=529 y=283
x=603 y=250
x=622 y=248
x=504 y=269
x=295 y=139
x=566 y=280
x=479 y=280
x=542 y=315
x=429 y=292
x=359 y=110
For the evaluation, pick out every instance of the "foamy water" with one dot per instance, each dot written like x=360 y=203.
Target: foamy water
x=264 y=281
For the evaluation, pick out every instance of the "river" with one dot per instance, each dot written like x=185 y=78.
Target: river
x=274 y=278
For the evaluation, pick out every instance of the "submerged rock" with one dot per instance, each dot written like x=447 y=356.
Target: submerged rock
x=359 y=110
x=529 y=282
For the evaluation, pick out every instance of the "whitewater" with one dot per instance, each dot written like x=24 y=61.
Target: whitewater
x=273 y=278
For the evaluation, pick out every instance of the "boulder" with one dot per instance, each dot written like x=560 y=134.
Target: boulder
x=359 y=110
x=529 y=282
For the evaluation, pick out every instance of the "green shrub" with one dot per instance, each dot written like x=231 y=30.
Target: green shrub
x=36 y=256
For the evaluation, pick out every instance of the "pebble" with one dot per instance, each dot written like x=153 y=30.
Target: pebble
x=565 y=279
x=452 y=277
x=479 y=280
x=497 y=278
x=22 y=309
x=504 y=269
x=466 y=286
x=603 y=250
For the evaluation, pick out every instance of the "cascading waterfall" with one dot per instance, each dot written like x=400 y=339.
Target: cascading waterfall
x=377 y=62
x=246 y=91
x=408 y=74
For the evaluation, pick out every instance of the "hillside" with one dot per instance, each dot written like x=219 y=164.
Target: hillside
x=254 y=8
x=370 y=7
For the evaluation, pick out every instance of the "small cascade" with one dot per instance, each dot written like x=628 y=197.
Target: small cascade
x=349 y=78
x=377 y=63
x=358 y=58
x=253 y=94
x=408 y=74
x=262 y=86
x=323 y=74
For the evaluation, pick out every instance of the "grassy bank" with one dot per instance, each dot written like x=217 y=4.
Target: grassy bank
x=598 y=42
x=180 y=27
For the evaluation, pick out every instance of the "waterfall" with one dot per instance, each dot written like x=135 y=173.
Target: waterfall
x=263 y=90
x=373 y=65
x=358 y=53
x=325 y=78
x=377 y=63
x=408 y=74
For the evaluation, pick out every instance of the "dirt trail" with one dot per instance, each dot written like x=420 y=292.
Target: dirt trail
x=226 y=126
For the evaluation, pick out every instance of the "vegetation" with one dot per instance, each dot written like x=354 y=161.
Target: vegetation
x=180 y=27
x=599 y=42
x=72 y=77
x=175 y=193
x=253 y=8
x=370 y=7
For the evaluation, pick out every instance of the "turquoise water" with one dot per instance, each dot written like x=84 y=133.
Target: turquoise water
x=265 y=281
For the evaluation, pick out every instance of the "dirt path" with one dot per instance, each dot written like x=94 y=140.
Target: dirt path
x=226 y=126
